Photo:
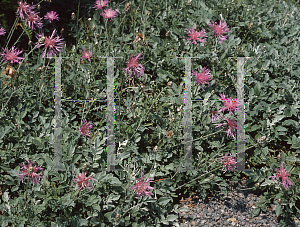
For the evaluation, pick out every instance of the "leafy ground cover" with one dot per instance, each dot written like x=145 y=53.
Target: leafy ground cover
x=150 y=43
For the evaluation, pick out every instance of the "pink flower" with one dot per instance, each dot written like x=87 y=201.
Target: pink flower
x=33 y=20
x=229 y=103
x=195 y=36
x=229 y=163
x=86 y=55
x=85 y=129
x=53 y=45
x=24 y=8
x=284 y=177
x=82 y=181
x=99 y=4
x=231 y=123
x=2 y=31
x=12 y=55
x=31 y=172
x=219 y=30
x=134 y=67
x=214 y=116
x=109 y=14
x=50 y=16
x=141 y=186
x=202 y=77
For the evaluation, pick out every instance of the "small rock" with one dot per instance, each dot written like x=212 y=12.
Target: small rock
x=231 y=220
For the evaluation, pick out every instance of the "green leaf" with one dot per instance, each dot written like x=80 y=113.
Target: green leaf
x=37 y=141
x=5 y=197
x=172 y=217
x=164 y=200
x=256 y=212
x=278 y=210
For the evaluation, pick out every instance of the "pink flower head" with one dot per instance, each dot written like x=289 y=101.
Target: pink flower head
x=31 y=172
x=85 y=129
x=82 y=181
x=229 y=163
x=231 y=124
x=134 y=67
x=214 y=116
x=195 y=36
x=229 y=104
x=12 y=55
x=141 y=186
x=33 y=20
x=86 y=55
x=53 y=45
x=50 y=16
x=109 y=14
x=2 y=31
x=24 y=8
x=99 y=4
x=284 y=177
x=219 y=30
x=202 y=77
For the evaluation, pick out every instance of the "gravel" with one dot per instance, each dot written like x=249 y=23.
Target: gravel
x=235 y=210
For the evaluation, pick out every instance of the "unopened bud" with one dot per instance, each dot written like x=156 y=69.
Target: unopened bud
x=117 y=216
x=168 y=32
x=278 y=157
x=155 y=149
x=178 y=109
x=133 y=104
x=96 y=43
x=84 y=167
x=170 y=83
x=189 y=2
x=127 y=7
x=90 y=19
x=172 y=119
x=279 y=201
x=257 y=185
x=39 y=7
x=212 y=176
x=73 y=16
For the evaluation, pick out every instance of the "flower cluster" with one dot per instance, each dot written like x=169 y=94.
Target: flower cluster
x=218 y=30
x=30 y=171
x=108 y=14
x=202 y=77
x=86 y=55
x=283 y=174
x=52 y=44
x=12 y=55
x=141 y=186
x=85 y=128
x=134 y=67
x=2 y=31
x=229 y=163
x=82 y=181
x=50 y=16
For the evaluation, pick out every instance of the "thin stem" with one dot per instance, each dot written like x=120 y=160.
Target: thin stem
x=11 y=31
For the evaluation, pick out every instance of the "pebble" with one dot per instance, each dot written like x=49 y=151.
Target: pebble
x=237 y=208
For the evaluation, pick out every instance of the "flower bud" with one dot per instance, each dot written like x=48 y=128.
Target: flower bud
x=172 y=120
x=170 y=83
x=212 y=176
x=168 y=33
x=257 y=185
x=96 y=43
x=278 y=157
x=39 y=7
x=127 y=7
x=155 y=149
x=178 y=109
x=279 y=201
x=133 y=104
x=73 y=16
x=89 y=19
